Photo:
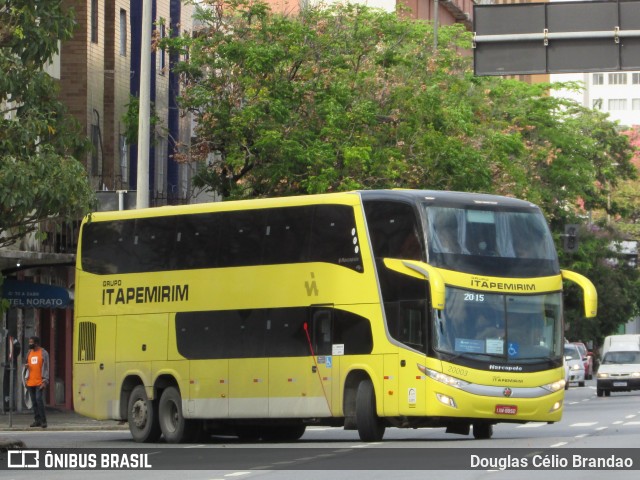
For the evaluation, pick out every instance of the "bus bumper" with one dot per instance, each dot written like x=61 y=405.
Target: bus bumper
x=445 y=401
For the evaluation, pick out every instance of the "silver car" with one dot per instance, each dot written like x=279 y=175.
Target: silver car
x=576 y=364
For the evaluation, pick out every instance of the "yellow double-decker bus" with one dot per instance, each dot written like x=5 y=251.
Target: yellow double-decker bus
x=367 y=310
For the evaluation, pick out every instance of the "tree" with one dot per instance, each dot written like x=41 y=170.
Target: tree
x=345 y=96
x=40 y=174
x=616 y=280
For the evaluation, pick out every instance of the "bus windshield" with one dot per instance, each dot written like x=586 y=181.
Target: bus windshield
x=511 y=327
x=470 y=240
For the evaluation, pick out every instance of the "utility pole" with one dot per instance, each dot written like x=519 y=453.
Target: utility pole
x=144 y=112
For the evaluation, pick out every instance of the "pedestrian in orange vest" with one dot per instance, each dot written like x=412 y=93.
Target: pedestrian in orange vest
x=37 y=380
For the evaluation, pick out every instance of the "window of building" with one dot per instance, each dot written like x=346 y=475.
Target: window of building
x=124 y=159
x=163 y=53
x=635 y=78
x=597 y=79
x=95 y=150
x=123 y=32
x=617 y=104
x=617 y=79
x=635 y=104
x=94 y=21
x=161 y=165
x=597 y=104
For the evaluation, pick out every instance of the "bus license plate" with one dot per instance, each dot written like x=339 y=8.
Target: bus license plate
x=506 y=409
x=619 y=384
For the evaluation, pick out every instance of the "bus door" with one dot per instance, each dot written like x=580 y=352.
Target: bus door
x=94 y=368
x=326 y=365
x=411 y=330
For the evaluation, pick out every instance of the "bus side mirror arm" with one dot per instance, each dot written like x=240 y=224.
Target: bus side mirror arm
x=421 y=270
x=436 y=282
x=589 y=291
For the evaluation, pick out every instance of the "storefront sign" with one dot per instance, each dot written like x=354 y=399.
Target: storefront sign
x=34 y=295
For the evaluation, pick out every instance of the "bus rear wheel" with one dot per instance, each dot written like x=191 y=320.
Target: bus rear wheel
x=482 y=431
x=370 y=426
x=175 y=428
x=142 y=417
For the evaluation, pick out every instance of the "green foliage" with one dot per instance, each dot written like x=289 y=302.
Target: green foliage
x=40 y=176
x=345 y=97
x=617 y=283
x=131 y=122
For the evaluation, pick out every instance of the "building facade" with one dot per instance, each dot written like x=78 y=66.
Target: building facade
x=449 y=11
x=99 y=75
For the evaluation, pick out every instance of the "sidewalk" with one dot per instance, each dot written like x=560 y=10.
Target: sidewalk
x=57 y=420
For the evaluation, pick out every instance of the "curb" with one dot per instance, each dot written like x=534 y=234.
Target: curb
x=64 y=428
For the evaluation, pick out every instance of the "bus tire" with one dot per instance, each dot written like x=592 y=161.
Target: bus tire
x=175 y=428
x=370 y=426
x=482 y=431
x=142 y=417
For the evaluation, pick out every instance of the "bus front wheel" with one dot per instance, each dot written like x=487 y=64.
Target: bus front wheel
x=175 y=428
x=370 y=426
x=482 y=431
x=142 y=417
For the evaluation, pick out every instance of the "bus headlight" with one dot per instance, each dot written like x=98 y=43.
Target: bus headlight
x=556 y=406
x=635 y=374
x=603 y=375
x=447 y=400
x=555 y=386
x=442 y=378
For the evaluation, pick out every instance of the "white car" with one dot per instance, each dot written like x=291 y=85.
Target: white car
x=618 y=372
x=576 y=364
x=567 y=373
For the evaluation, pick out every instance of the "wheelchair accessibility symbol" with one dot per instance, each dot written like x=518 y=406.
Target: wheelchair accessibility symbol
x=513 y=350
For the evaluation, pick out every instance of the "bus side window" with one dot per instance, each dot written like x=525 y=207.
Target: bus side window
x=322 y=326
x=241 y=238
x=286 y=235
x=197 y=241
x=334 y=238
x=393 y=229
x=153 y=243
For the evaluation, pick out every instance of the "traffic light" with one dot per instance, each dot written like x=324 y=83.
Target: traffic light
x=571 y=238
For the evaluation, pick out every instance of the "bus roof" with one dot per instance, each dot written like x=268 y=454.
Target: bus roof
x=449 y=198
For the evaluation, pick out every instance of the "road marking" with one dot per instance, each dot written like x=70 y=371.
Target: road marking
x=601 y=428
x=619 y=422
x=195 y=446
x=631 y=423
x=582 y=435
x=532 y=425
x=630 y=416
x=237 y=474
x=584 y=424
x=559 y=444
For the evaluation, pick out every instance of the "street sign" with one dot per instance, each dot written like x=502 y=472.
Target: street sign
x=558 y=37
